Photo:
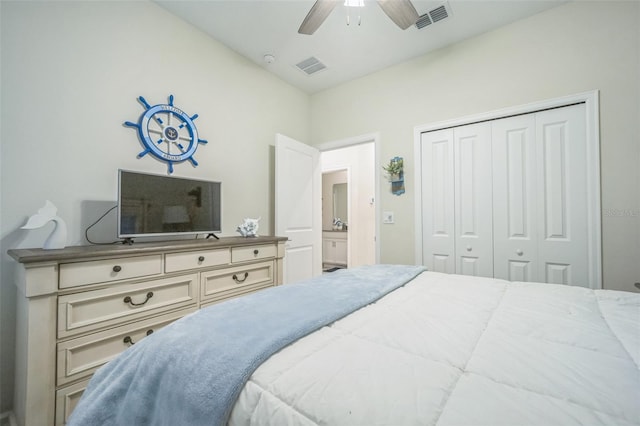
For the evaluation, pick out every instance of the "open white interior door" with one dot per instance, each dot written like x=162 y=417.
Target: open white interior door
x=298 y=208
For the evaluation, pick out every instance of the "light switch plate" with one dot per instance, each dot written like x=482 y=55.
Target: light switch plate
x=387 y=217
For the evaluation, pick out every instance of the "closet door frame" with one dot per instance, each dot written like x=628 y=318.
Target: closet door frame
x=592 y=112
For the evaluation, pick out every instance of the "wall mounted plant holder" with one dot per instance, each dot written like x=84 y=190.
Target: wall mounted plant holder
x=395 y=175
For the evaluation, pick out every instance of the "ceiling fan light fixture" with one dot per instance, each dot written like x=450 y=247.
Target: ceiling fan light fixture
x=401 y=12
x=354 y=3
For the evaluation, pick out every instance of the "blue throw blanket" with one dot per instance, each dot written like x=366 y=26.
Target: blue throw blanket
x=192 y=371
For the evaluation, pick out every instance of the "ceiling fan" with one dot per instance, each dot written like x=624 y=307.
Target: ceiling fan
x=401 y=12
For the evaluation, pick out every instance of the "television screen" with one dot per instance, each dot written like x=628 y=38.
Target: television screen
x=153 y=205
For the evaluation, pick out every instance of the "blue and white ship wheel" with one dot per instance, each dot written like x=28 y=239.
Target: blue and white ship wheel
x=167 y=133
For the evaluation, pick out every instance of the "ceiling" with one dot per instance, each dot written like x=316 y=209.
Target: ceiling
x=255 y=28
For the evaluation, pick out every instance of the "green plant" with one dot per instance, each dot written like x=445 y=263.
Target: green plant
x=394 y=167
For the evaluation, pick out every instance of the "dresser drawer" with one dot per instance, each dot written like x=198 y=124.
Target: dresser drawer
x=92 y=310
x=66 y=400
x=102 y=271
x=80 y=357
x=236 y=280
x=175 y=262
x=243 y=254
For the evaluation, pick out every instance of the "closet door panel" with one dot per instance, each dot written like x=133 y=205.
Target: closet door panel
x=514 y=198
x=437 y=201
x=521 y=271
x=473 y=207
x=562 y=174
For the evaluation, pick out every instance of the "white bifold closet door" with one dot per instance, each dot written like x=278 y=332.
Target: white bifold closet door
x=438 y=217
x=515 y=198
x=472 y=200
x=540 y=197
x=457 y=210
x=507 y=198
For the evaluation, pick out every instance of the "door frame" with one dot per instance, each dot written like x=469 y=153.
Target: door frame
x=358 y=140
x=592 y=111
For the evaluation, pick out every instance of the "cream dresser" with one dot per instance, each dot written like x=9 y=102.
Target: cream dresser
x=81 y=306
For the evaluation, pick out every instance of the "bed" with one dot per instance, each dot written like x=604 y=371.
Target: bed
x=384 y=345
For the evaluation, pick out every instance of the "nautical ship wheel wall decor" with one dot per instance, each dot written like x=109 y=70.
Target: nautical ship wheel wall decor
x=167 y=133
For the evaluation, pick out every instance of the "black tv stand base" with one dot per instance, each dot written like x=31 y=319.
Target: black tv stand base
x=128 y=241
x=213 y=235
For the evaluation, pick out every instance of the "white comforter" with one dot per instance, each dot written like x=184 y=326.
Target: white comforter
x=456 y=350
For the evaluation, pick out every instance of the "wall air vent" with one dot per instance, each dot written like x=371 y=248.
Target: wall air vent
x=434 y=15
x=310 y=66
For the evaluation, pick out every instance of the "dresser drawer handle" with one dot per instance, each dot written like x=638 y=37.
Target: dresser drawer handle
x=129 y=301
x=129 y=340
x=201 y=259
x=255 y=252
x=117 y=268
x=239 y=281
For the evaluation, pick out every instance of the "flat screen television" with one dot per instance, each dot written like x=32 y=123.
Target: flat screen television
x=155 y=205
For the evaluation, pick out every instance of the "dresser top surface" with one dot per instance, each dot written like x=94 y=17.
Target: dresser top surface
x=87 y=252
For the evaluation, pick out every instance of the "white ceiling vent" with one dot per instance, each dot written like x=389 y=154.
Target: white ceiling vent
x=310 y=66
x=434 y=15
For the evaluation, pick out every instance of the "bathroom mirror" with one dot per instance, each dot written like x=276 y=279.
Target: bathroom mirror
x=340 y=202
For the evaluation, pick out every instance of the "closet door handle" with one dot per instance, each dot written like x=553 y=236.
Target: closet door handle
x=469 y=248
x=519 y=252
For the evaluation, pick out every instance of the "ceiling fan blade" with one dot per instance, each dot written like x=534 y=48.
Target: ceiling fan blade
x=401 y=12
x=316 y=16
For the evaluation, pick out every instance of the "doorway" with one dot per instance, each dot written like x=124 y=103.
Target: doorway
x=349 y=223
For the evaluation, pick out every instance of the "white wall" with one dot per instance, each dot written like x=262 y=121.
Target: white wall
x=577 y=47
x=71 y=73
